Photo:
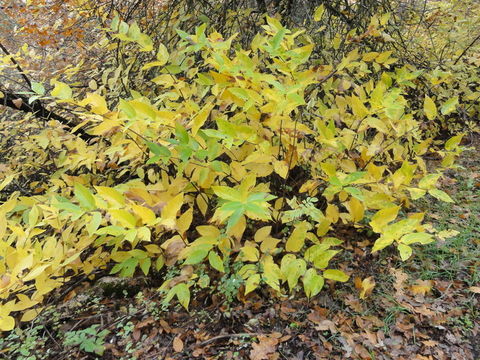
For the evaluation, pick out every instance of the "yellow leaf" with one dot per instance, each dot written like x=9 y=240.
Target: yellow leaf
x=297 y=239
x=370 y=56
x=148 y=216
x=24 y=303
x=7 y=323
x=359 y=110
x=383 y=217
x=123 y=217
x=252 y=283
x=201 y=117
x=6 y=181
x=281 y=168
x=97 y=103
x=383 y=57
x=421 y=287
x=317 y=15
x=356 y=209
x=113 y=196
x=429 y=108
x=336 y=275
x=262 y=233
x=184 y=221
x=248 y=253
x=31 y=314
x=169 y=212
x=202 y=204
x=365 y=286
x=332 y=213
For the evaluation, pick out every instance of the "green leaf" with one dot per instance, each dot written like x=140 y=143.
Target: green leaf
x=38 y=88
x=336 y=275
x=351 y=178
x=277 y=39
x=197 y=254
x=440 y=195
x=355 y=192
x=84 y=196
x=158 y=149
x=235 y=218
x=126 y=267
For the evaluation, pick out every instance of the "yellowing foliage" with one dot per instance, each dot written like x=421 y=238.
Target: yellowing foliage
x=180 y=173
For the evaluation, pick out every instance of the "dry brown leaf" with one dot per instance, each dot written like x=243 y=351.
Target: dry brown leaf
x=474 y=289
x=18 y=103
x=177 y=344
x=265 y=347
x=430 y=343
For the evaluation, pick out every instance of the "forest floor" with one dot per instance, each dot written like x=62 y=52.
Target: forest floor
x=424 y=308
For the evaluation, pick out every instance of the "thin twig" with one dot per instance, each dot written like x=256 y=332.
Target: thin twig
x=224 y=336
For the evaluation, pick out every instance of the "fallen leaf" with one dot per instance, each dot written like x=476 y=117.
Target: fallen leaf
x=474 y=289
x=421 y=287
x=18 y=103
x=365 y=286
x=265 y=347
x=177 y=344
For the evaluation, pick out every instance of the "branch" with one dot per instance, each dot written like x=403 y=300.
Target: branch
x=20 y=102
x=19 y=68
x=466 y=49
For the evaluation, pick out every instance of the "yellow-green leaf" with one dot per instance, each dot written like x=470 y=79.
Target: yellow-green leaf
x=405 y=251
x=440 y=195
x=252 y=283
x=216 y=261
x=317 y=15
x=201 y=117
x=422 y=238
x=449 y=106
x=62 y=91
x=337 y=275
x=114 y=197
x=162 y=55
x=312 y=283
x=429 y=108
x=123 y=217
x=84 y=196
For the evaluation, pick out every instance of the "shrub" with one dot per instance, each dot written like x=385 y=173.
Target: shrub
x=224 y=155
